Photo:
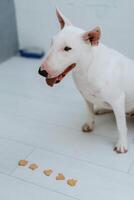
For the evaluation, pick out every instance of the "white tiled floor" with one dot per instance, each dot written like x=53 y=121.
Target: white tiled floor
x=43 y=125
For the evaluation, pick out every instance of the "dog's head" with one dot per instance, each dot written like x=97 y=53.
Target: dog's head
x=67 y=49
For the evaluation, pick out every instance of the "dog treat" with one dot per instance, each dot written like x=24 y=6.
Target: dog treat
x=23 y=163
x=33 y=166
x=60 y=177
x=48 y=172
x=71 y=182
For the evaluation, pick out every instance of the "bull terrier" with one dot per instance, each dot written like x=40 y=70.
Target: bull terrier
x=103 y=76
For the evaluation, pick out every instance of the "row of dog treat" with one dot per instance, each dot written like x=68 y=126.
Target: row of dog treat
x=48 y=172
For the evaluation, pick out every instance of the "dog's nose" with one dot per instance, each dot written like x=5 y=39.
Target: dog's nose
x=43 y=72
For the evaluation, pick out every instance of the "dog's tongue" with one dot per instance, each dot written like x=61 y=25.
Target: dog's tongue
x=57 y=79
x=51 y=81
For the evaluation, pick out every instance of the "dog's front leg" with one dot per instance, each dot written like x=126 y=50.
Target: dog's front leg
x=89 y=125
x=119 y=111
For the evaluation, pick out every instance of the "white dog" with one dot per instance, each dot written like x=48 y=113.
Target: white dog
x=103 y=76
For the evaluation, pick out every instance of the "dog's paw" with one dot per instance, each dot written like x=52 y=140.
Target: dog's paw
x=87 y=128
x=120 y=148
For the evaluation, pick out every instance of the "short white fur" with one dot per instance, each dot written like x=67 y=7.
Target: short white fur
x=103 y=76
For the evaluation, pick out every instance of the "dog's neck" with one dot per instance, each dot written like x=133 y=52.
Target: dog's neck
x=87 y=58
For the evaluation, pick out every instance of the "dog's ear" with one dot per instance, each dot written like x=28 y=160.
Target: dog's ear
x=92 y=36
x=62 y=20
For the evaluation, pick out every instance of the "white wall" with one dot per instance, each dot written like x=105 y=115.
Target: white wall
x=37 y=21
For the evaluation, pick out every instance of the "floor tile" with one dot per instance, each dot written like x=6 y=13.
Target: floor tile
x=131 y=168
x=73 y=143
x=13 y=189
x=93 y=181
x=11 y=153
x=44 y=111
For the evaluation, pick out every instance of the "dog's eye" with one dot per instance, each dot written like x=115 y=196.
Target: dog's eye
x=67 y=48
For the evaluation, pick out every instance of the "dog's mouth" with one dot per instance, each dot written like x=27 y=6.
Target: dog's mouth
x=54 y=80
